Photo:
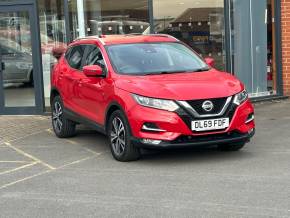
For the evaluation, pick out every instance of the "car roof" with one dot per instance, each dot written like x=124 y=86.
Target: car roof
x=128 y=38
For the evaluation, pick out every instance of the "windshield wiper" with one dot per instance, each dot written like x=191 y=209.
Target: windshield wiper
x=165 y=72
x=201 y=69
x=181 y=71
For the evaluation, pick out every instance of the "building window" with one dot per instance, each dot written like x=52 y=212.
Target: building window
x=253 y=55
x=52 y=36
x=200 y=24
x=96 y=17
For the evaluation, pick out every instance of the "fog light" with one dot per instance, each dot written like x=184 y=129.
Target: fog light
x=151 y=141
x=250 y=118
x=151 y=127
x=251 y=131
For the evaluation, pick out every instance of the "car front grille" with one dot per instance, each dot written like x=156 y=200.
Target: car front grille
x=218 y=104
x=187 y=116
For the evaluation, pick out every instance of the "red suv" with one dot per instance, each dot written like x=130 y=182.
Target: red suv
x=148 y=91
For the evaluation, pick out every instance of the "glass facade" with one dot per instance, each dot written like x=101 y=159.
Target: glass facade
x=253 y=54
x=225 y=30
x=200 y=24
x=16 y=59
x=52 y=36
x=97 y=17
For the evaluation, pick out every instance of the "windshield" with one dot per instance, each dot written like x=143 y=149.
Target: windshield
x=154 y=58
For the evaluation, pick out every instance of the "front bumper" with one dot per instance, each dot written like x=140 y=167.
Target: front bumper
x=177 y=124
x=208 y=140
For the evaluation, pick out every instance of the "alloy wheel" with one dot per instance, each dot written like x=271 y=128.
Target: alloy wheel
x=118 y=136
x=57 y=116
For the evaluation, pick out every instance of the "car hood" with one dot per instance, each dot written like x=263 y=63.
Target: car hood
x=182 y=86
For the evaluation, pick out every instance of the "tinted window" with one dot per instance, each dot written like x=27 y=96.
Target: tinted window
x=7 y=51
x=67 y=54
x=94 y=57
x=75 y=57
x=146 y=58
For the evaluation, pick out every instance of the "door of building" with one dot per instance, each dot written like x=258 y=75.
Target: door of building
x=21 y=89
x=248 y=38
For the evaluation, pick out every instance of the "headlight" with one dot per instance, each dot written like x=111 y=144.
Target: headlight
x=161 y=104
x=241 y=97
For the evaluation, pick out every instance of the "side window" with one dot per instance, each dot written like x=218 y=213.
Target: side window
x=67 y=54
x=75 y=56
x=7 y=51
x=95 y=57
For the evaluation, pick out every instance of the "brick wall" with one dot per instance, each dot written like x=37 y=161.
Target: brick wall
x=285 y=22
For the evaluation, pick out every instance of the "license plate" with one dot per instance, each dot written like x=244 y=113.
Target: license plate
x=207 y=125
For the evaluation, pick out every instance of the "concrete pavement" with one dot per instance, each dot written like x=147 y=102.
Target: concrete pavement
x=43 y=176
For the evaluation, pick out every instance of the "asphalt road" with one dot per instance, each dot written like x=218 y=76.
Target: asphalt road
x=43 y=176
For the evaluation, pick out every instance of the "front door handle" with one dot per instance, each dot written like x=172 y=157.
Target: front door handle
x=2 y=66
x=80 y=82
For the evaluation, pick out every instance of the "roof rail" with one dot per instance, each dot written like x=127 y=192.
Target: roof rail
x=163 y=35
x=154 y=34
x=98 y=37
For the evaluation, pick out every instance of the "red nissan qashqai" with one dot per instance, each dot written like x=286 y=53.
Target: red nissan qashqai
x=148 y=91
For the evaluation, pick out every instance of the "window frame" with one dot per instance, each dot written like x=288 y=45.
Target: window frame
x=86 y=53
x=69 y=53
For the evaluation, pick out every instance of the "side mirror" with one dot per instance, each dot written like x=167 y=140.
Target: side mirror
x=93 y=70
x=210 y=61
x=58 y=51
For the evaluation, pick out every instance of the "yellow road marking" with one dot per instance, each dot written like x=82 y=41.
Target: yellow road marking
x=75 y=162
x=37 y=160
x=45 y=172
x=29 y=155
x=71 y=142
x=24 y=179
x=13 y=161
x=91 y=151
x=18 y=168
x=49 y=131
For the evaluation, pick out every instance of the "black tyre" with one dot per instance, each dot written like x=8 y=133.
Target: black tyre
x=119 y=134
x=31 y=80
x=62 y=127
x=30 y=83
x=231 y=147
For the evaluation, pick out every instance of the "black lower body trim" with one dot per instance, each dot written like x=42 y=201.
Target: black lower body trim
x=71 y=115
x=199 y=141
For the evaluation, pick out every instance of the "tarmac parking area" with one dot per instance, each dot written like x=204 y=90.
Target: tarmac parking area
x=43 y=176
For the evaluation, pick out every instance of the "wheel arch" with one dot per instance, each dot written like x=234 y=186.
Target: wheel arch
x=114 y=106
x=53 y=93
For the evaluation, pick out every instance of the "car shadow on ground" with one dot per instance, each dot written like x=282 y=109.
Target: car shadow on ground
x=189 y=154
